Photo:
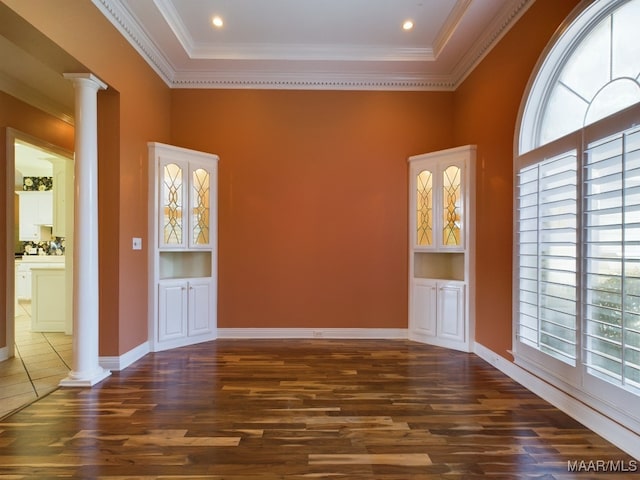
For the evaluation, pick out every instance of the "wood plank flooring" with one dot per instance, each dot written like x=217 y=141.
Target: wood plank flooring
x=300 y=409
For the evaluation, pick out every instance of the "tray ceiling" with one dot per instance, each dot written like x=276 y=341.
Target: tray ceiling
x=313 y=44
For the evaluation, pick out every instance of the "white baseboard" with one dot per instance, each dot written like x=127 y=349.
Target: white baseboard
x=335 y=333
x=123 y=361
x=623 y=438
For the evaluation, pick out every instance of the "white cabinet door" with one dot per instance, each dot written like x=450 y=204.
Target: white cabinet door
x=200 y=322
x=438 y=202
x=173 y=310
x=173 y=175
x=36 y=210
x=451 y=317
x=23 y=282
x=424 y=307
x=62 y=196
x=201 y=200
x=187 y=209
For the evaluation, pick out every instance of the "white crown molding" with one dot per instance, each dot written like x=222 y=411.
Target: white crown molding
x=128 y=26
x=309 y=81
x=130 y=29
x=508 y=16
x=450 y=26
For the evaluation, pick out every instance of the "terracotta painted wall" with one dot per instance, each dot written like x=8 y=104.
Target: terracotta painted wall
x=313 y=199
x=486 y=110
x=135 y=110
x=20 y=116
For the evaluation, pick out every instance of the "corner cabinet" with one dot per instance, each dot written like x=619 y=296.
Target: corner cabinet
x=441 y=248
x=183 y=246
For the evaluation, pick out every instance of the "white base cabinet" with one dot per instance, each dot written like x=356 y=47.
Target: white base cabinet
x=185 y=311
x=437 y=313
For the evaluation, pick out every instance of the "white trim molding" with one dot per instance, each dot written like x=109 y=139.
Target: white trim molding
x=317 y=333
x=125 y=360
x=617 y=433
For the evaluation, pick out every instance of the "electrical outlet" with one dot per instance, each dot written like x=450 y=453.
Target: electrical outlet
x=137 y=243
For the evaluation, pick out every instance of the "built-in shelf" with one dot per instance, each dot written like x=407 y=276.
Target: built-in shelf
x=184 y=265
x=439 y=265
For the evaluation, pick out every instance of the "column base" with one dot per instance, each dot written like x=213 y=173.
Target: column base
x=75 y=379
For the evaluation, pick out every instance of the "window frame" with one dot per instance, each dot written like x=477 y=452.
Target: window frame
x=611 y=400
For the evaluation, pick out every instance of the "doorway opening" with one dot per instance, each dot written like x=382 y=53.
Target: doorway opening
x=41 y=207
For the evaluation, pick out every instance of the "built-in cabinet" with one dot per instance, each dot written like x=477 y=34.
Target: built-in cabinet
x=183 y=251
x=441 y=248
x=185 y=309
x=36 y=215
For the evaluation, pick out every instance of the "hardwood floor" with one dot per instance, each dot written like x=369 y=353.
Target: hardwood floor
x=294 y=409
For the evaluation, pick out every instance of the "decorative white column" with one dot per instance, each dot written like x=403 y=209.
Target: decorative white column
x=86 y=370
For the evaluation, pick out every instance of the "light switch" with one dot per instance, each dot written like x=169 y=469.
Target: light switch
x=137 y=243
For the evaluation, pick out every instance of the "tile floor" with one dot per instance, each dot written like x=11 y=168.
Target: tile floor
x=41 y=361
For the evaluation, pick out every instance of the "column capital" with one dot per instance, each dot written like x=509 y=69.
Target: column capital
x=88 y=77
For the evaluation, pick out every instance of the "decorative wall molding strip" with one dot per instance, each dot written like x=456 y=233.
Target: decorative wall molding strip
x=117 y=364
x=616 y=433
x=325 y=82
x=317 y=333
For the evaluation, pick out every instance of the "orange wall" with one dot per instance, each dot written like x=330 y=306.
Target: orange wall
x=135 y=110
x=486 y=110
x=313 y=185
x=19 y=116
x=313 y=199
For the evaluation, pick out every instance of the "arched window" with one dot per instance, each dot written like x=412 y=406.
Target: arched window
x=577 y=219
x=592 y=71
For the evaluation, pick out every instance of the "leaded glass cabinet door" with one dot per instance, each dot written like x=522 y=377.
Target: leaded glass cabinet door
x=173 y=188
x=451 y=206
x=200 y=206
x=424 y=209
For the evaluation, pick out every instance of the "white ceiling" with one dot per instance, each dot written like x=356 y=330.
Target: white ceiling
x=313 y=44
x=32 y=161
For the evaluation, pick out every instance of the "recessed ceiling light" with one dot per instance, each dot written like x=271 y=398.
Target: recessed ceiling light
x=407 y=25
x=217 y=21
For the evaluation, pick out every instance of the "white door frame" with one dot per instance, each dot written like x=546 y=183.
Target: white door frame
x=13 y=135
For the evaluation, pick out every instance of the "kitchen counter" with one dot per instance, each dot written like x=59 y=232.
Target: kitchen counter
x=41 y=259
x=25 y=264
